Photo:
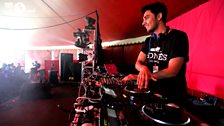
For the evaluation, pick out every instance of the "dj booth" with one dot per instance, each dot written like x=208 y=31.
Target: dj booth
x=137 y=108
x=106 y=101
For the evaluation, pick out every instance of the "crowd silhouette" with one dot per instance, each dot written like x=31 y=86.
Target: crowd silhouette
x=11 y=79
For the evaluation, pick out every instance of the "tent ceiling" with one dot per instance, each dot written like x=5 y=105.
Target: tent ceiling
x=53 y=22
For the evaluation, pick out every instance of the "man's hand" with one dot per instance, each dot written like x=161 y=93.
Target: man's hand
x=129 y=77
x=143 y=77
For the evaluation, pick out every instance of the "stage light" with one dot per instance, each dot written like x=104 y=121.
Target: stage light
x=90 y=22
x=82 y=57
x=82 y=39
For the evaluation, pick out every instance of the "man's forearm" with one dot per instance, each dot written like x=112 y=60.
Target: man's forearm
x=165 y=73
x=172 y=69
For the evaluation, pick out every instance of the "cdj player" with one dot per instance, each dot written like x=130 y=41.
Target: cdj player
x=111 y=103
x=134 y=107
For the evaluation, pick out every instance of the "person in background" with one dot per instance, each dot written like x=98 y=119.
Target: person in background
x=162 y=60
x=36 y=65
x=34 y=75
x=53 y=66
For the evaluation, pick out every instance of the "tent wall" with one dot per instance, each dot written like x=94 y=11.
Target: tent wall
x=204 y=26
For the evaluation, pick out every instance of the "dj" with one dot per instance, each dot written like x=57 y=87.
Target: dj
x=162 y=60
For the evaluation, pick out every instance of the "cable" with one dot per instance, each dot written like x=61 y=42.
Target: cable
x=20 y=17
x=37 y=28
x=57 y=13
x=91 y=100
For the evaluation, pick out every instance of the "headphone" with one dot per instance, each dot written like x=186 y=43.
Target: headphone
x=161 y=36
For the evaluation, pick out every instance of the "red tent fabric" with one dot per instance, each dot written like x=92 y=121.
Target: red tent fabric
x=204 y=26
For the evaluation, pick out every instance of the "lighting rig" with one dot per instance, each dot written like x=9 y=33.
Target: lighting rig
x=85 y=39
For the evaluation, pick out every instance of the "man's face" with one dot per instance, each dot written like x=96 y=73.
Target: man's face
x=149 y=21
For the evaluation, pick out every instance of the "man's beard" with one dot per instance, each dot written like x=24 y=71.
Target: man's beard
x=153 y=28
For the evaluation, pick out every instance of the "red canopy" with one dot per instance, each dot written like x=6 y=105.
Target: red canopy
x=52 y=22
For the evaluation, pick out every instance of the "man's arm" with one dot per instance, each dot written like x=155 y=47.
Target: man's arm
x=172 y=70
x=140 y=62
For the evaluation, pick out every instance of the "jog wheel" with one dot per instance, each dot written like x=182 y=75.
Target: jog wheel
x=165 y=114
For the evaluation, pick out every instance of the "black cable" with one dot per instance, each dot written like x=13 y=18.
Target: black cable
x=13 y=16
x=50 y=25
x=37 y=28
x=57 y=14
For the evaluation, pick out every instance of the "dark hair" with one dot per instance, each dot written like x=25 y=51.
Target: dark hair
x=156 y=8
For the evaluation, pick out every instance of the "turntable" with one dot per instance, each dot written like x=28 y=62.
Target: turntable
x=164 y=114
x=139 y=97
x=153 y=109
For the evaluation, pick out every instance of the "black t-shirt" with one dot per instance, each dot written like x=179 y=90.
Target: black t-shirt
x=168 y=46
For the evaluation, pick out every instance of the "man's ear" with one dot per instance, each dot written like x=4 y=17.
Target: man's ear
x=159 y=16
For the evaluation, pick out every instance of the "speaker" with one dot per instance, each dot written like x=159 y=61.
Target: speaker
x=65 y=60
x=75 y=69
x=53 y=76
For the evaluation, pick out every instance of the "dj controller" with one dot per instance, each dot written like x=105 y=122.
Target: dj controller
x=106 y=101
